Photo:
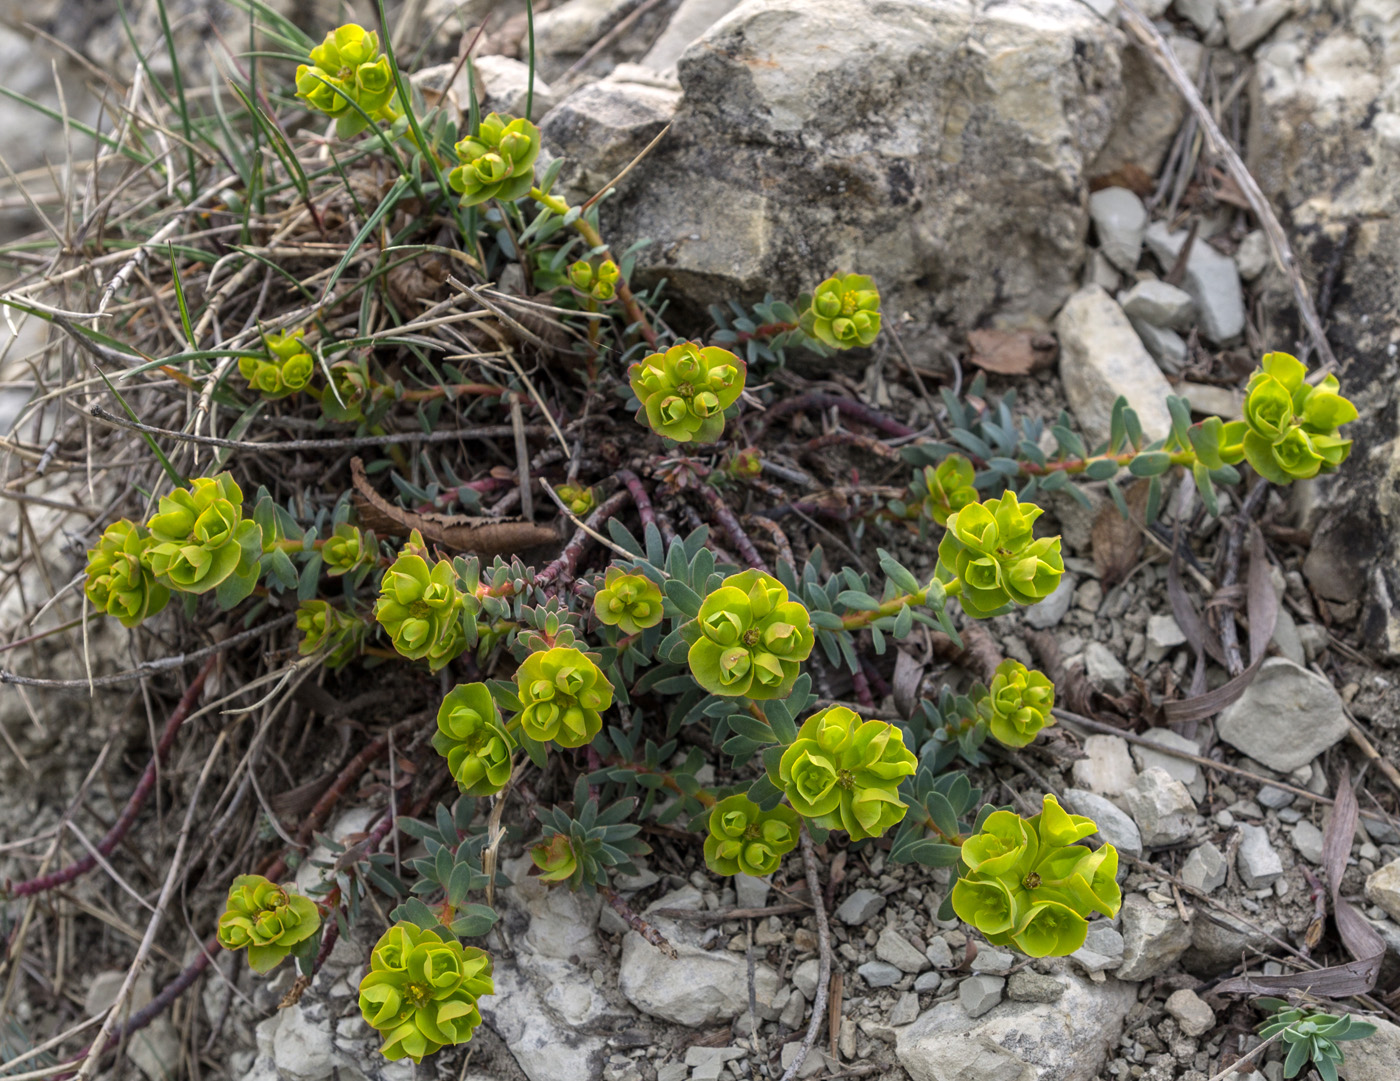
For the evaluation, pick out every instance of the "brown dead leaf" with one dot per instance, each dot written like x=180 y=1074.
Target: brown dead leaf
x=458 y=532
x=1116 y=541
x=1133 y=177
x=1011 y=352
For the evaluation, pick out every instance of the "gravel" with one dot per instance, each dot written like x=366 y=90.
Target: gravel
x=1259 y=865
x=979 y=994
x=860 y=906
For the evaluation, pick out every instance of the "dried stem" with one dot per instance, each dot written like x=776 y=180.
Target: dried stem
x=809 y=862
x=730 y=524
x=646 y=930
x=851 y=408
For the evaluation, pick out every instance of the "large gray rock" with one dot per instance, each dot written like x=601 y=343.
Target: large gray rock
x=1285 y=718
x=1153 y=938
x=941 y=145
x=1066 y=1039
x=703 y=987
x=1102 y=357
x=600 y=128
x=1161 y=806
x=1374 y=1058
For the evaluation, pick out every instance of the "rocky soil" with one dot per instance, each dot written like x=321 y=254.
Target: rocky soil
x=1018 y=166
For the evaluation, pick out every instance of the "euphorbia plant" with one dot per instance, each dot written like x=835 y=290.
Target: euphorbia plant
x=685 y=390
x=270 y=921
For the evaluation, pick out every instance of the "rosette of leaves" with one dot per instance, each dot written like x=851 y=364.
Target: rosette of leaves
x=348 y=549
x=119 y=581
x=746 y=463
x=844 y=312
x=347 y=77
x=948 y=487
x=844 y=772
x=421 y=608
x=473 y=739
x=1018 y=703
x=582 y=850
x=991 y=558
x=744 y=837
x=562 y=696
x=498 y=162
x=350 y=391
x=629 y=602
x=268 y=920
x=749 y=638
x=422 y=989
x=1029 y=885
x=579 y=498
x=1311 y=1036
x=323 y=626
x=1289 y=431
x=685 y=390
x=200 y=540
x=597 y=283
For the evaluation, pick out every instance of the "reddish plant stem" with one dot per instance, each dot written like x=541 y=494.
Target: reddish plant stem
x=138 y=797
x=877 y=681
x=563 y=567
x=344 y=779
x=634 y=921
x=730 y=524
x=851 y=408
x=780 y=539
x=645 y=511
x=862 y=689
x=851 y=439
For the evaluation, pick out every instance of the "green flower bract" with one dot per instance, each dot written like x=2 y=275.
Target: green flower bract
x=421 y=991
x=119 y=581
x=421 y=607
x=267 y=919
x=749 y=638
x=1289 y=431
x=555 y=858
x=347 y=549
x=948 y=487
x=1018 y=703
x=473 y=739
x=1029 y=885
x=562 y=696
x=498 y=162
x=844 y=313
x=743 y=837
x=200 y=539
x=629 y=602
x=685 y=390
x=346 y=67
x=844 y=772
x=990 y=551
x=323 y=626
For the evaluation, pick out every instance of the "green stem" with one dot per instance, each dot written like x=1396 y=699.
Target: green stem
x=857 y=620
x=1074 y=466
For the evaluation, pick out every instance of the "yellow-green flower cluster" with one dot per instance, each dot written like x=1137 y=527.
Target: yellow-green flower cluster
x=1029 y=885
x=473 y=739
x=120 y=581
x=421 y=991
x=629 y=602
x=597 y=283
x=1018 y=703
x=685 y=390
x=498 y=162
x=845 y=312
x=562 y=696
x=744 y=837
x=555 y=857
x=990 y=557
x=347 y=70
x=421 y=608
x=324 y=626
x=749 y=638
x=200 y=539
x=844 y=772
x=267 y=919
x=948 y=487
x=1289 y=431
x=347 y=549
x=285 y=369
x=579 y=498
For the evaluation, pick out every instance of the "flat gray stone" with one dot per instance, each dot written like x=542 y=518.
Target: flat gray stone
x=897 y=950
x=1121 y=221
x=978 y=994
x=1028 y=985
x=1253 y=255
x=1107 y=768
x=1047 y=613
x=1212 y=279
x=1104 y=669
x=805 y=977
x=1285 y=718
x=928 y=982
x=1163 y=633
x=939 y=953
x=1191 y=1012
x=1159 y=304
x=1101 y=357
x=992 y=962
x=906 y=1009
x=1176 y=767
x=1275 y=799
x=1168 y=348
x=751 y=892
x=1115 y=827
x=1246 y=27
x=1259 y=865
x=1205 y=868
x=1153 y=938
x=859 y=906
x=1161 y=806
x=879 y=974
x=1307 y=839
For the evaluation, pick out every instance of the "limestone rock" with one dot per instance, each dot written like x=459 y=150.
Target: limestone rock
x=1383 y=888
x=1120 y=220
x=878 y=134
x=859 y=906
x=1108 y=768
x=978 y=994
x=1115 y=827
x=1153 y=938
x=897 y=950
x=1259 y=865
x=1102 y=357
x=1161 y=807
x=1285 y=718
x=1205 y=868
x=1063 y=1039
x=1374 y=1058
x=1191 y=1013
x=1212 y=279
x=1159 y=303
